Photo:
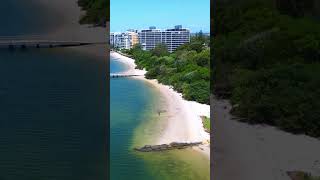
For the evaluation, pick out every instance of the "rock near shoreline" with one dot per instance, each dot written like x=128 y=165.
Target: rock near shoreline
x=166 y=147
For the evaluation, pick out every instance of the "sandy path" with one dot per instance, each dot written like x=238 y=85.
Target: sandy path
x=250 y=152
x=183 y=123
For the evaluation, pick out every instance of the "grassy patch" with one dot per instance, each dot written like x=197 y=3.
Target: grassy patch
x=206 y=123
x=299 y=175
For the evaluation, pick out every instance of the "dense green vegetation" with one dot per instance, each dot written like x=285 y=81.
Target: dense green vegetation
x=309 y=177
x=267 y=61
x=186 y=70
x=97 y=12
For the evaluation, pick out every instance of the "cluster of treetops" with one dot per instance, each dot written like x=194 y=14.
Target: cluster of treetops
x=96 y=12
x=267 y=61
x=187 y=69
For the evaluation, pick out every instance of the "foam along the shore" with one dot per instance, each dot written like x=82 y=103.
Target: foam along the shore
x=184 y=123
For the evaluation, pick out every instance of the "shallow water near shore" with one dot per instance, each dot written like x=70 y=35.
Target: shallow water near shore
x=135 y=122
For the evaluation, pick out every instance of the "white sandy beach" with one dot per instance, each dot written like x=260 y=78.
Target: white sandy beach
x=184 y=123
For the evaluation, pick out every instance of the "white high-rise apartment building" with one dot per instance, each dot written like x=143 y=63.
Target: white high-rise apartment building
x=125 y=40
x=149 y=38
x=172 y=38
x=114 y=39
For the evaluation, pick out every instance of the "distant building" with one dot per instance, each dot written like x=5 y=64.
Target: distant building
x=114 y=39
x=204 y=34
x=133 y=37
x=149 y=38
x=125 y=40
x=172 y=38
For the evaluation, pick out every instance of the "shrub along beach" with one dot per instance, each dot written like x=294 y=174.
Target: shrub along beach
x=97 y=11
x=186 y=70
x=266 y=62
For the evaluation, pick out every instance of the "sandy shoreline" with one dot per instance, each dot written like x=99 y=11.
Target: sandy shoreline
x=248 y=152
x=67 y=13
x=184 y=123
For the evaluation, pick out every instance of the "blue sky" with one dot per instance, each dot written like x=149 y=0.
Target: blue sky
x=140 y=14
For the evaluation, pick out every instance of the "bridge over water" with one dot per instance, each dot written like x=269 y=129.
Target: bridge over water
x=12 y=42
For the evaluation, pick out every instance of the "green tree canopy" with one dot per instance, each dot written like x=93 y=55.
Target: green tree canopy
x=97 y=11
